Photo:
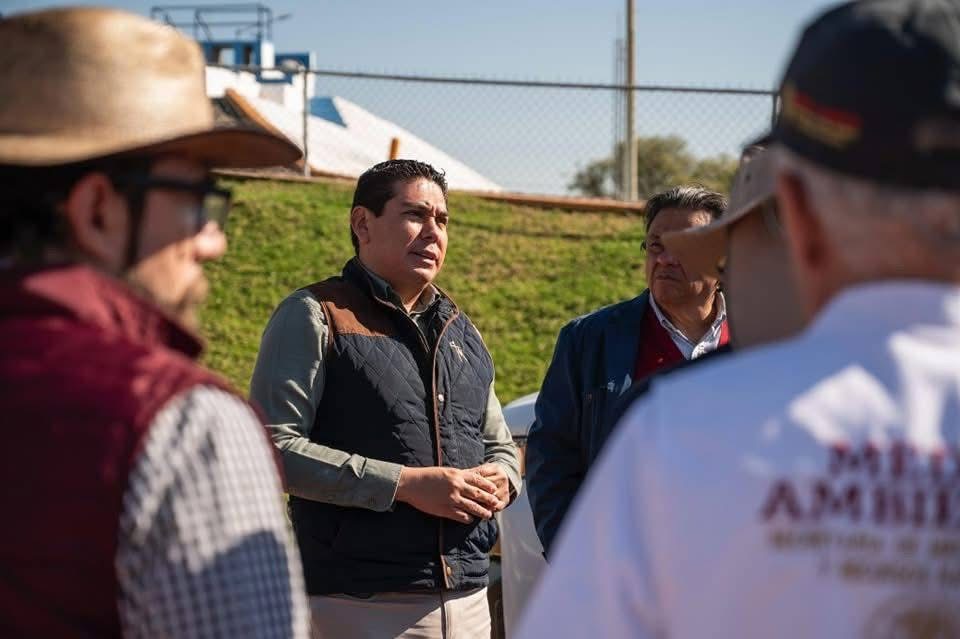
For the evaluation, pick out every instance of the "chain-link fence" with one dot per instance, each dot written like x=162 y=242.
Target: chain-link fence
x=529 y=137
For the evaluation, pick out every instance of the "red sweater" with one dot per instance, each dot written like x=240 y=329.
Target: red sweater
x=657 y=350
x=84 y=367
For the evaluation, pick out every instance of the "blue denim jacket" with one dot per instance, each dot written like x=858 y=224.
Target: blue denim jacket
x=592 y=366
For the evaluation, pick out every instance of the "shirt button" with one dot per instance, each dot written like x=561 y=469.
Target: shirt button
x=440 y=397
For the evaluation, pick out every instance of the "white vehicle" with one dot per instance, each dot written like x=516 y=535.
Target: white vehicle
x=520 y=550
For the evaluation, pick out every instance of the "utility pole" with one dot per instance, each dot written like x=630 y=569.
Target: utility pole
x=618 y=123
x=630 y=150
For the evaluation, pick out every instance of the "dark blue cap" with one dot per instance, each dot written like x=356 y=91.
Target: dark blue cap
x=873 y=91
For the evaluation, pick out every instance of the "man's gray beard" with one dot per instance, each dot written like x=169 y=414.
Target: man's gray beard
x=184 y=311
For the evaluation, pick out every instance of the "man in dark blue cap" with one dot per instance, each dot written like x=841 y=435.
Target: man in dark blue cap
x=813 y=489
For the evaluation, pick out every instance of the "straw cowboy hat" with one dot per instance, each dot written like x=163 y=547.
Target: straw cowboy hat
x=702 y=249
x=83 y=83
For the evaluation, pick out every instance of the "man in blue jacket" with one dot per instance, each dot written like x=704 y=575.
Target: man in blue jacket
x=599 y=356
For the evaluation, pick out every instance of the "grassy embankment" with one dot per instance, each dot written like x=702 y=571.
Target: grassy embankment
x=520 y=273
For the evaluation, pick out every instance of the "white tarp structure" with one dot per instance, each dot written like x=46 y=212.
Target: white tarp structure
x=347 y=139
x=362 y=141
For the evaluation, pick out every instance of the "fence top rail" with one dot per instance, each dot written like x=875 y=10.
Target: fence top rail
x=504 y=83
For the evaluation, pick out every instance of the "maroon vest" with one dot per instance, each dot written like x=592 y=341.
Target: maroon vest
x=657 y=350
x=84 y=367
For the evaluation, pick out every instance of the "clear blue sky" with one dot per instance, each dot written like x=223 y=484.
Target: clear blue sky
x=704 y=42
x=734 y=43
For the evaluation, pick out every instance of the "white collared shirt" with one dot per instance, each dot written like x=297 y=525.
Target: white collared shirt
x=811 y=490
x=710 y=340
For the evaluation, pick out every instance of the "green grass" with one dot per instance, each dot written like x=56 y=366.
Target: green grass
x=519 y=272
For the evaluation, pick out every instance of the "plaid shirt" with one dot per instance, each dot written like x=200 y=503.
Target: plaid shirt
x=205 y=549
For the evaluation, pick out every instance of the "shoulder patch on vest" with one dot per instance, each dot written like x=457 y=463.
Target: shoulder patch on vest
x=349 y=311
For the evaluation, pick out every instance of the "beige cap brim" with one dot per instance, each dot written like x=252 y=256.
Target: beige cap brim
x=217 y=148
x=701 y=249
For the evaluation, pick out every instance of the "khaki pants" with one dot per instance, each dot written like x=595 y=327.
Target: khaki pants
x=435 y=615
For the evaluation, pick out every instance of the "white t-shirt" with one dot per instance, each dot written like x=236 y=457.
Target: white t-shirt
x=812 y=489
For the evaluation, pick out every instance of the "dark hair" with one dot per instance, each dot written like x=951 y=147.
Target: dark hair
x=30 y=198
x=376 y=185
x=688 y=198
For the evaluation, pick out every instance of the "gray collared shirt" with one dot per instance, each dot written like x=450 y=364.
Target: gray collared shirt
x=288 y=382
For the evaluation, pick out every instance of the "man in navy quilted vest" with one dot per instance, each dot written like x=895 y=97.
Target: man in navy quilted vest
x=140 y=494
x=379 y=393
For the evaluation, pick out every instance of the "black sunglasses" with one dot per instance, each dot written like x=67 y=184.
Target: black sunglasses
x=214 y=202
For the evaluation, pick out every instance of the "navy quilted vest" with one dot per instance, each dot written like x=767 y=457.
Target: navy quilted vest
x=393 y=394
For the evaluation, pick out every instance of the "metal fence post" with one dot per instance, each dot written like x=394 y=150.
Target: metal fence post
x=306 y=121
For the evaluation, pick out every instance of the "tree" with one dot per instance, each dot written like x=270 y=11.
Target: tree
x=662 y=162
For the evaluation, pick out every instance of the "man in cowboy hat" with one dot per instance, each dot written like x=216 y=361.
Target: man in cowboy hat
x=140 y=493
x=815 y=491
